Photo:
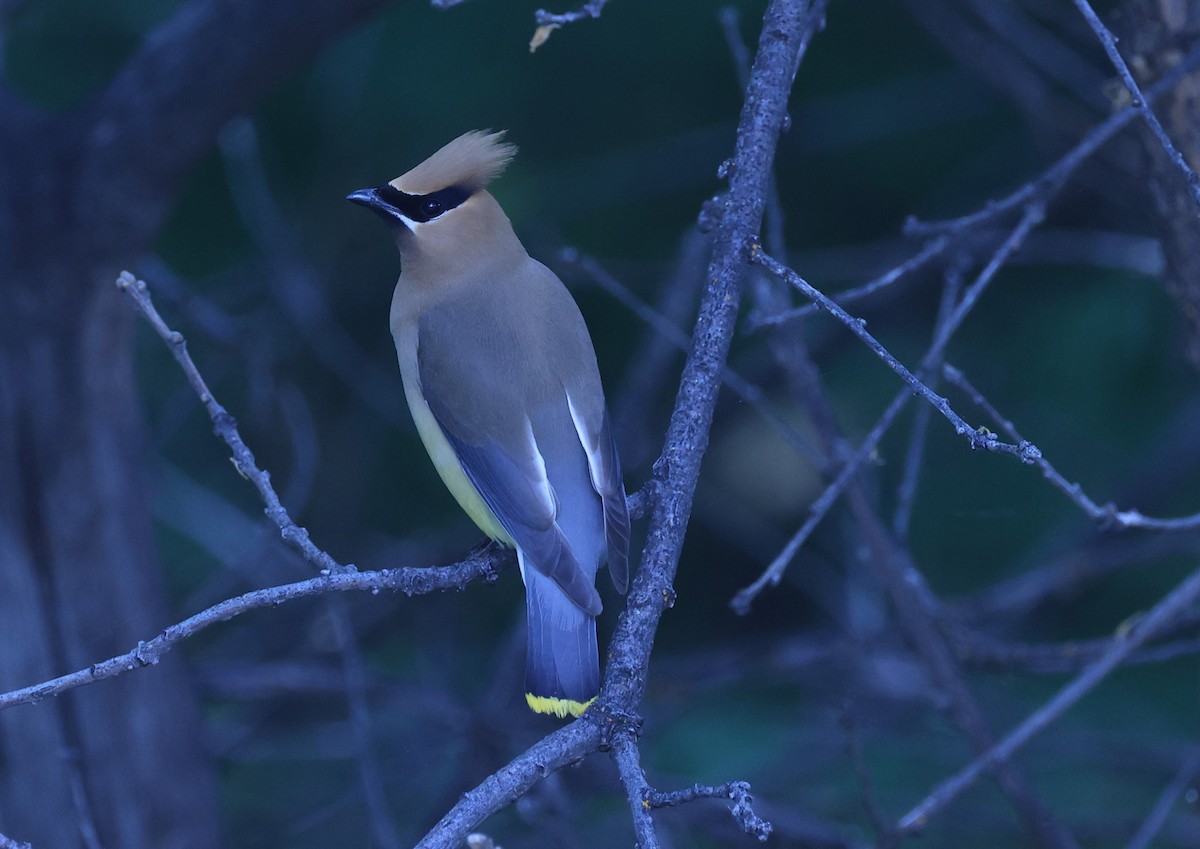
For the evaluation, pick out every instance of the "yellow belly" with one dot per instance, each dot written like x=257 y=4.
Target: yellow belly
x=438 y=447
x=450 y=470
x=435 y=442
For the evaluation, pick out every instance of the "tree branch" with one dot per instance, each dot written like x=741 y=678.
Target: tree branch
x=1047 y=183
x=737 y=792
x=503 y=787
x=773 y=574
x=629 y=765
x=225 y=426
x=934 y=248
x=483 y=565
x=787 y=27
x=1109 y=42
x=1170 y=796
x=548 y=22
x=1107 y=515
x=1122 y=645
x=589 y=10
x=334 y=576
x=977 y=439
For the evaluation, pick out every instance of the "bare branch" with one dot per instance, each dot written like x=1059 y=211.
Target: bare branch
x=906 y=492
x=785 y=33
x=857 y=326
x=225 y=427
x=334 y=577
x=1109 y=42
x=932 y=249
x=1069 y=574
x=1047 y=183
x=1107 y=515
x=503 y=787
x=1062 y=658
x=589 y=10
x=629 y=765
x=773 y=574
x=548 y=22
x=737 y=792
x=1170 y=796
x=1122 y=645
x=483 y=565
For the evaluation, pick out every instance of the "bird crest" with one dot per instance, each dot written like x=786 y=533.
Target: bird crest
x=470 y=162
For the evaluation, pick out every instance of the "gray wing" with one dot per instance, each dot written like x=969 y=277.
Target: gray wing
x=508 y=471
x=604 y=466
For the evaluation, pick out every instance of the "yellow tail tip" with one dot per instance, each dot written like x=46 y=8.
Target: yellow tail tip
x=562 y=708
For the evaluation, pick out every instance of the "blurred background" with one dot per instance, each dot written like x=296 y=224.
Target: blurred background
x=358 y=720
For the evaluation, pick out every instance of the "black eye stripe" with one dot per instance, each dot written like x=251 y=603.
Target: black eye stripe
x=422 y=208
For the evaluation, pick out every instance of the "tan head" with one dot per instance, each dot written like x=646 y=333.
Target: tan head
x=444 y=220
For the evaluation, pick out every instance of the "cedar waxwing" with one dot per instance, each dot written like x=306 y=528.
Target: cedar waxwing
x=501 y=379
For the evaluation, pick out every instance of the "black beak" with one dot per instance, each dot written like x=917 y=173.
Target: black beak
x=364 y=197
x=375 y=200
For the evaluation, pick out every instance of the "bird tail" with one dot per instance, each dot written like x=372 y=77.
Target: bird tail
x=562 y=666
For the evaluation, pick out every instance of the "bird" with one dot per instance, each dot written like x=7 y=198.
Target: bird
x=500 y=376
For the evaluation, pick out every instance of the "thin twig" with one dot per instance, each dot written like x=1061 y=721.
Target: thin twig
x=547 y=21
x=334 y=577
x=1139 y=102
x=932 y=249
x=1063 y=576
x=773 y=223
x=906 y=492
x=1122 y=645
x=773 y=574
x=857 y=326
x=1053 y=177
x=370 y=775
x=737 y=792
x=730 y=21
x=483 y=565
x=1106 y=515
x=589 y=10
x=225 y=427
x=1157 y=818
x=562 y=748
x=294 y=283
x=866 y=785
x=984 y=651
x=919 y=612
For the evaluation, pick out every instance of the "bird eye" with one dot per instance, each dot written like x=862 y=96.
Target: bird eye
x=432 y=208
